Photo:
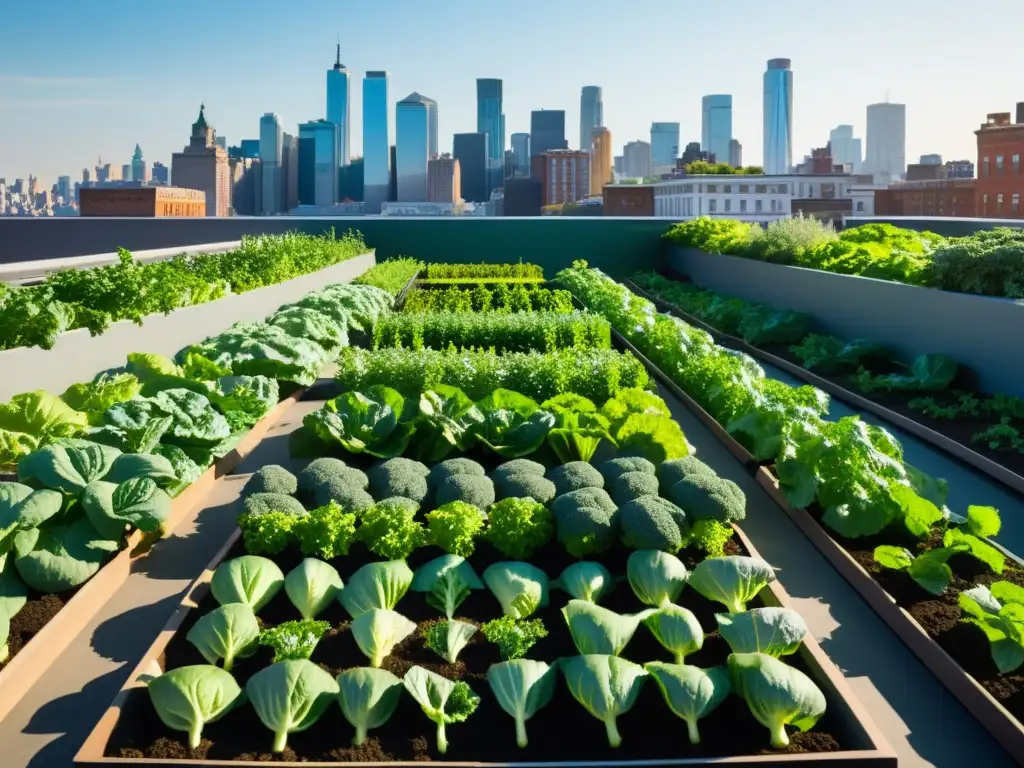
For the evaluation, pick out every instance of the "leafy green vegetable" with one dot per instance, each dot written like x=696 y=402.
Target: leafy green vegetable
x=576 y=435
x=187 y=698
x=518 y=527
x=378 y=631
x=442 y=700
x=655 y=438
x=102 y=392
x=606 y=686
x=691 y=693
x=447 y=638
x=67 y=468
x=267 y=533
x=228 y=632
x=57 y=559
x=596 y=630
x=312 y=585
x=364 y=422
x=248 y=579
x=998 y=611
x=447 y=580
x=585 y=581
x=656 y=577
x=290 y=696
x=296 y=639
x=777 y=695
x=930 y=569
x=513 y=424
x=446 y=422
x=522 y=687
x=677 y=629
x=773 y=631
x=733 y=581
x=367 y=698
x=43 y=416
x=521 y=588
x=389 y=529
x=138 y=502
x=453 y=526
x=326 y=531
x=376 y=585
x=514 y=637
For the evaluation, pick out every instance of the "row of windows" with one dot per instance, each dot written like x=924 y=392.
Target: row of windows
x=1000 y=164
x=179 y=209
x=726 y=189
x=775 y=206
x=1014 y=203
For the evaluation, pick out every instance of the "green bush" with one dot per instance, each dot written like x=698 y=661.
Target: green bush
x=483 y=298
x=789 y=238
x=725 y=236
x=391 y=275
x=988 y=263
x=483 y=271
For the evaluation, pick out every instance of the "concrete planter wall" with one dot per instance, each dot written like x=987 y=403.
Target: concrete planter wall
x=77 y=356
x=979 y=332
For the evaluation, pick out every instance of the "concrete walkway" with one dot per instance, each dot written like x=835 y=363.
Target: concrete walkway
x=920 y=720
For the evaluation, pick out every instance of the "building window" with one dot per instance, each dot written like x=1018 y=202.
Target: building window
x=712 y=188
x=1015 y=203
x=744 y=189
x=727 y=189
x=728 y=205
x=743 y=206
x=760 y=189
x=784 y=189
x=757 y=206
x=1016 y=163
x=984 y=166
x=860 y=206
x=999 y=203
x=712 y=206
x=801 y=189
x=999 y=164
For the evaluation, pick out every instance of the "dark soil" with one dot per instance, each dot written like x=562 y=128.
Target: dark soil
x=939 y=615
x=30 y=620
x=562 y=731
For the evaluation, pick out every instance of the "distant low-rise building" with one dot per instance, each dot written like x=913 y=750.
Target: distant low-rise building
x=142 y=201
x=628 y=200
x=942 y=197
x=1000 y=174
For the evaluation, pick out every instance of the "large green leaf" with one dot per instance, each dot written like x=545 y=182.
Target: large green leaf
x=138 y=502
x=22 y=507
x=446 y=422
x=62 y=557
x=365 y=422
x=151 y=465
x=136 y=426
x=513 y=425
x=42 y=415
x=68 y=468
x=196 y=423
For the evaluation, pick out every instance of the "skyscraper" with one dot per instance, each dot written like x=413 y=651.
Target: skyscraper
x=376 y=146
x=126 y=171
x=431 y=125
x=566 y=175
x=491 y=120
x=591 y=114
x=271 y=148
x=521 y=154
x=203 y=165
x=547 y=131
x=338 y=103
x=600 y=160
x=471 y=150
x=664 y=146
x=716 y=125
x=887 y=142
x=326 y=142
x=412 y=148
x=139 y=166
x=846 y=150
x=289 y=171
x=637 y=159
x=735 y=154
x=778 y=117
x=444 y=180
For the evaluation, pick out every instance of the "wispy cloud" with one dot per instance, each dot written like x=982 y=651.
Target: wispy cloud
x=16 y=106
x=48 y=80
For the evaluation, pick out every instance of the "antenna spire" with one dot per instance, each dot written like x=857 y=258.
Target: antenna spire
x=337 y=56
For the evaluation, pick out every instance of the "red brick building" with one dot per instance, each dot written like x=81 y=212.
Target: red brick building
x=1000 y=174
x=155 y=201
x=628 y=200
x=944 y=197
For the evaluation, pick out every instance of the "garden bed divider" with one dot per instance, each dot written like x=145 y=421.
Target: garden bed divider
x=39 y=654
x=875 y=752
x=959 y=451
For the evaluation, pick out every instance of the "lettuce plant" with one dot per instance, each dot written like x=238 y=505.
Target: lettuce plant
x=521 y=588
x=998 y=611
x=518 y=527
x=390 y=529
x=295 y=639
x=248 y=579
x=585 y=581
x=226 y=633
x=444 y=701
x=772 y=631
x=576 y=435
x=732 y=581
x=312 y=585
x=446 y=422
x=606 y=686
x=522 y=687
x=930 y=569
x=367 y=698
x=777 y=694
x=691 y=693
x=447 y=638
x=656 y=577
x=677 y=629
x=513 y=424
x=378 y=631
x=447 y=580
x=369 y=422
x=514 y=637
x=376 y=585
x=453 y=526
x=187 y=698
x=597 y=630
x=290 y=696
x=327 y=531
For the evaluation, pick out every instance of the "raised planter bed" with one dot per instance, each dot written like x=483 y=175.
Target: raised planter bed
x=77 y=356
x=959 y=450
x=909 y=319
x=855 y=739
x=63 y=616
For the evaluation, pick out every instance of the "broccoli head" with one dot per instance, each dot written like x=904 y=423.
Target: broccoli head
x=401 y=501
x=273 y=478
x=393 y=478
x=710 y=497
x=633 y=485
x=582 y=530
x=671 y=472
x=261 y=503
x=319 y=470
x=389 y=465
x=349 y=497
x=519 y=467
x=575 y=475
x=521 y=486
x=612 y=468
x=478 y=491
x=450 y=467
x=649 y=522
x=586 y=497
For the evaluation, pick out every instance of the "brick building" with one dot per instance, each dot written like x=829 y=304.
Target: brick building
x=628 y=200
x=444 y=180
x=1000 y=175
x=565 y=174
x=203 y=165
x=942 y=197
x=143 y=201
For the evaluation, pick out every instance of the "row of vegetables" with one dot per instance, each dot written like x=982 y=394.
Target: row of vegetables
x=847 y=473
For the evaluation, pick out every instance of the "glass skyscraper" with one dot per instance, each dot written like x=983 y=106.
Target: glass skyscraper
x=338 y=103
x=412 y=148
x=664 y=145
x=471 y=150
x=491 y=120
x=716 y=126
x=376 y=145
x=547 y=131
x=778 y=117
x=324 y=135
x=521 y=154
x=591 y=114
x=271 y=147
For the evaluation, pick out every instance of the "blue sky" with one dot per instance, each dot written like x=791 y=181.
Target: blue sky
x=88 y=78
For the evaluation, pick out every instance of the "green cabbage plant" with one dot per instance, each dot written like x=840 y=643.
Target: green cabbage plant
x=367 y=698
x=376 y=585
x=606 y=686
x=522 y=687
x=187 y=698
x=290 y=696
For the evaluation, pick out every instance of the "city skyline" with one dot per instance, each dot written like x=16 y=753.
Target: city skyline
x=63 y=109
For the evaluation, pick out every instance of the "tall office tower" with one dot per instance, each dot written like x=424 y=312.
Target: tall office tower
x=846 y=150
x=716 y=125
x=637 y=159
x=86 y=176
x=600 y=160
x=735 y=154
x=222 y=142
x=491 y=120
x=547 y=131
x=160 y=173
x=338 y=105
x=289 y=172
x=65 y=189
x=318 y=174
x=376 y=144
x=126 y=172
x=778 y=117
x=139 y=166
x=444 y=180
x=431 y=125
x=471 y=150
x=591 y=114
x=887 y=142
x=566 y=175
x=664 y=145
x=203 y=165
x=520 y=154
x=270 y=158
x=412 y=148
